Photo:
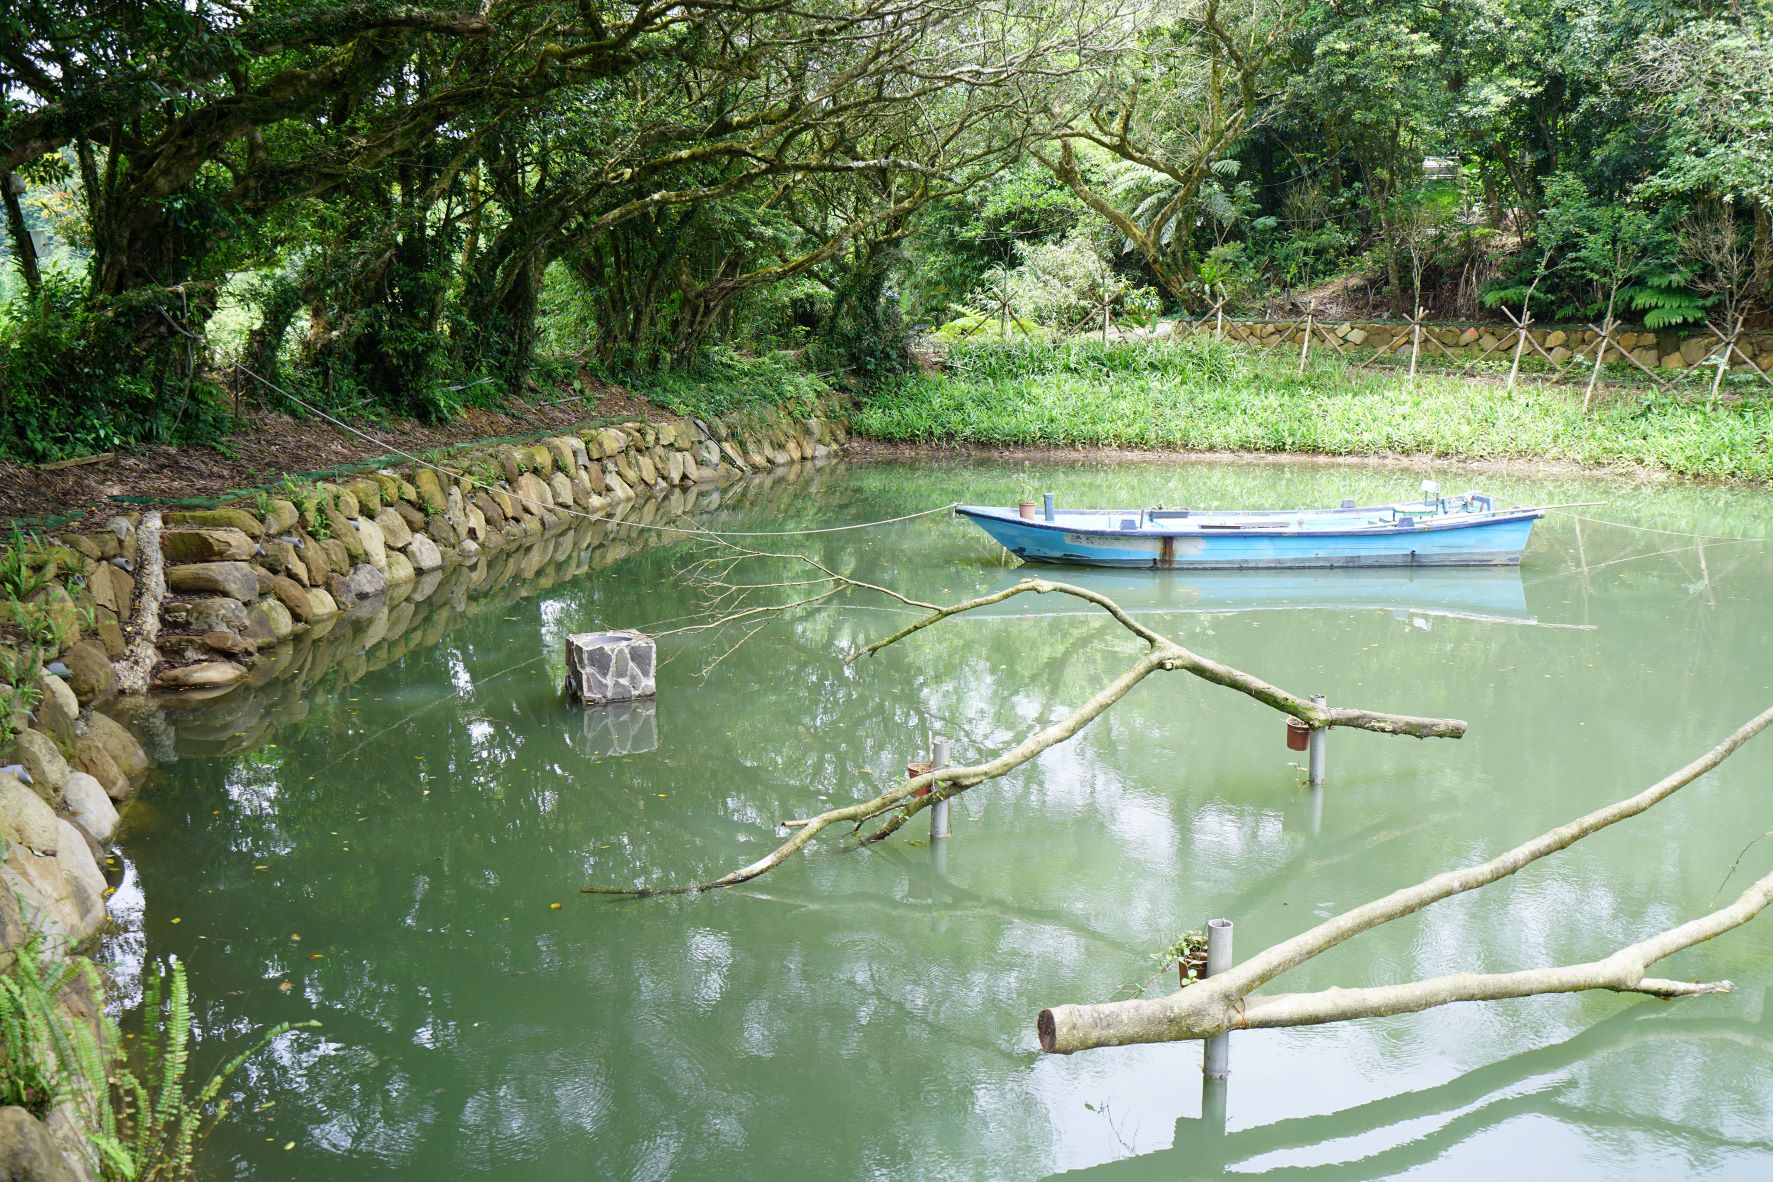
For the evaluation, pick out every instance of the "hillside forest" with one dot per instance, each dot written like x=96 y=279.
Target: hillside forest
x=385 y=208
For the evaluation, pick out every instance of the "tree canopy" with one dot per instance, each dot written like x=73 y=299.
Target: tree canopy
x=412 y=206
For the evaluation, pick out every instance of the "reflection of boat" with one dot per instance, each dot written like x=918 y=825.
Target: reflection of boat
x=1484 y=594
x=1466 y=530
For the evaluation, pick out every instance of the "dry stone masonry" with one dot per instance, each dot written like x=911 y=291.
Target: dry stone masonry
x=292 y=591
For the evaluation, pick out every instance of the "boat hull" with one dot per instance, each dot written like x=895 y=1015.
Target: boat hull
x=1489 y=540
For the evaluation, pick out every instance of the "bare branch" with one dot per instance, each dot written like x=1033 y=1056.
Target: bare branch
x=1224 y=1003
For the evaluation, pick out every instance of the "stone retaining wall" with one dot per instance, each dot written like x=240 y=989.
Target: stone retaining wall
x=286 y=591
x=1669 y=350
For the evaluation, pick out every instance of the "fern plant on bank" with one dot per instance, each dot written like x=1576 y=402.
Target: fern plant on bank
x=145 y=1115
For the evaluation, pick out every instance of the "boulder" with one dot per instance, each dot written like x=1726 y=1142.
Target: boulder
x=339 y=526
x=229 y=644
x=57 y=710
x=112 y=588
x=362 y=582
x=375 y=548
x=561 y=489
x=344 y=500
x=206 y=545
x=395 y=531
x=89 y=807
x=91 y=758
x=368 y=493
x=281 y=558
x=25 y=818
x=313 y=556
x=442 y=530
x=233 y=579
x=238 y=519
x=400 y=569
x=338 y=558
x=489 y=509
x=324 y=606
x=28 y=1151
x=63 y=893
x=43 y=759
x=282 y=518
x=430 y=490
x=203 y=675
x=533 y=494
x=424 y=554
x=561 y=451
x=268 y=622
x=117 y=742
x=295 y=597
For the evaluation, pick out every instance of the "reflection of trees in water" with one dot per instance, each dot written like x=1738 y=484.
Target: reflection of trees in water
x=675 y=1027
x=1560 y=1080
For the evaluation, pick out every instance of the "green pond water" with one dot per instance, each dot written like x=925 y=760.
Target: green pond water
x=387 y=859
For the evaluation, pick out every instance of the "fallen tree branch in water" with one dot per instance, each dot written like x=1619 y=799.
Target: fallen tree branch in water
x=1223 y=1002
x=1161 y=654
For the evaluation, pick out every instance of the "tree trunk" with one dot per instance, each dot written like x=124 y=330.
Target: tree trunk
x=24 y=250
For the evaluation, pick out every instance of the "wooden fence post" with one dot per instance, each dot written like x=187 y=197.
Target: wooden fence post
x=1415 y=340
x=1305 y=341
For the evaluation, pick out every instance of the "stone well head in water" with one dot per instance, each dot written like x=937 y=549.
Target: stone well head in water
x=611 y=666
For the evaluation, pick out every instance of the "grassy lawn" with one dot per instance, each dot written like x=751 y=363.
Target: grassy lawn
x=1206 y=396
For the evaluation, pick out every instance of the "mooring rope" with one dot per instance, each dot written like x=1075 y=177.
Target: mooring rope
x=567 y=510
x=1650 y=529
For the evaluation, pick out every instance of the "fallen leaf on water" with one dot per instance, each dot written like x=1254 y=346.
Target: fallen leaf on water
x=295 y=936
x=261 y=867
x=554 y=906
x=289 y=1145
x=316 y=956
x=285 y=987
x=176 y=919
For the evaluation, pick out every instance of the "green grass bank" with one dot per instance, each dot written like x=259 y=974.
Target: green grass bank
x=1210 y=396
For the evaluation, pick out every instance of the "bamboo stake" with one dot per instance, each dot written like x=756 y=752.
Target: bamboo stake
x=1415 y=340
x=1305 y=340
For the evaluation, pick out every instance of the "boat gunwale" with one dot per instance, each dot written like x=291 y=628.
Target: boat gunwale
x=1437 y=523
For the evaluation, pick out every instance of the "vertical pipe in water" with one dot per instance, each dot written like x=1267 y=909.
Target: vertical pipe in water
x=1315 y=761
x=1217 y=1063
x=939 y=811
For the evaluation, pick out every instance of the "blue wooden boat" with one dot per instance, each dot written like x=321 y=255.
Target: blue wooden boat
x=1463 y=530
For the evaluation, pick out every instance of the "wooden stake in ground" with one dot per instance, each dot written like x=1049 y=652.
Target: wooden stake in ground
x=1416 y=340
x=1305 y=340
x=1225 y=1002
x=1600 y=354
x=728 y=597
x=1521 y=327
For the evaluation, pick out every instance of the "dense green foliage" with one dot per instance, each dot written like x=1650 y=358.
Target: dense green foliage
x=1201 y=395
x=409 y=208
